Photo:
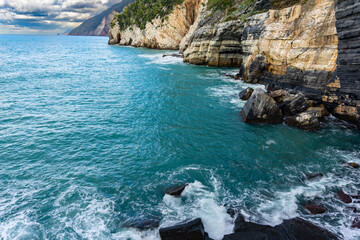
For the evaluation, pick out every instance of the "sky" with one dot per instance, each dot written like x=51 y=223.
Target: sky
x=47 y=16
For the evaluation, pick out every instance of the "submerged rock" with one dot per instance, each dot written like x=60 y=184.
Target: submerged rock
x=313 y=176
x=296 y=228
x=315 y=209
x=293 y=105
x=176 y=192
x=344 y=197
x=304 y=120
x=246 y=236
x=144 y=223
x=173 y=55
x=246 y=93
x=261 y=108
x=236 y=77
x=353 y=165
x=356 y=223
x=193 y=230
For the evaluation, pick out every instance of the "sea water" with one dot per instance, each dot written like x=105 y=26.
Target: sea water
x=91 y=135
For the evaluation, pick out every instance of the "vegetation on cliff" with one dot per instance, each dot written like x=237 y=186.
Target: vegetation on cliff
x=142 y=11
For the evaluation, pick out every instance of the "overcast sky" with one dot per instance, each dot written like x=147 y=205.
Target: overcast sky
x=47 y=16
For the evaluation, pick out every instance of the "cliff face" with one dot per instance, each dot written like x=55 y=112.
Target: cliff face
x=161 y=34
x=311 y=46
x=99 y=25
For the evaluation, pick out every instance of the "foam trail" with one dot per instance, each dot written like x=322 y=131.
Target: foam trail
x=198 y=201
x=159 y=59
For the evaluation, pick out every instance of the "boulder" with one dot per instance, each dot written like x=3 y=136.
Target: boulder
x=261 y=108
x=356 y=223
x=176 y=192
x=246 y=236
x=279 y=95
x=315 y=209
x=353 y=164
x=313 y=176
x=304 y=120
x=246 y=93
x=236 y=77
x=293 y=105
x=296 y=228
x=193 y=230
x=144 y=223
x=344 y=197
x=319 y=112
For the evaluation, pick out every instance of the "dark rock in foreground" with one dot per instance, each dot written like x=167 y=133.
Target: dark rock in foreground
x=356 y=223
x=293 y=105
x=176 y=192
x=246 y=93
x=292 y=229
x=313 y=176
x=315 y=209
x=193 y=230
x=353 y=165
x=144 y=223
x=261 y=108
x=246 y=236
x=344 y=197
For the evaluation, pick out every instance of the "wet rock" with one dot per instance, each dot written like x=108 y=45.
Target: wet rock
x=313 y=176
x=173 y=55
x=246 y=236
x=296 y=228
x=315 y=209
x=279 y=95
x=193 y=230
x=236 y=77
x=304 y=120
x=293 y=105
x=355 y=196
x=176 y=192
x=246 y=93
x=261 y=108
x=231 y=212
x=319 y=112
x=344 y=197
x=356 y=223
x=353 y=165
x=144 y=223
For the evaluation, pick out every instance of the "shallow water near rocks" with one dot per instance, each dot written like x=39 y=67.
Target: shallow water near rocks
x=92 y=134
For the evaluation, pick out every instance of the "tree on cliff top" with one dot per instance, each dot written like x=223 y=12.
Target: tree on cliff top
x=142 y=11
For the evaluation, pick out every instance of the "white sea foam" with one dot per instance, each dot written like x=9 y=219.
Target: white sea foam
x=159 y=59
x=198 y=201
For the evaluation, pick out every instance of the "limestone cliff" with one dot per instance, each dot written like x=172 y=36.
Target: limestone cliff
x=160 y=33
x=311 y=46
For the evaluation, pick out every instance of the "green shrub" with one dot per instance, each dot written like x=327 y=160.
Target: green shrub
x=142 y=11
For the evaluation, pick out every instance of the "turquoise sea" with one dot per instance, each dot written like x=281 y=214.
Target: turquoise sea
x=91 y=135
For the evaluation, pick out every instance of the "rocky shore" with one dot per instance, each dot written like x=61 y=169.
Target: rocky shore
x=291 y=229
x=309 y=47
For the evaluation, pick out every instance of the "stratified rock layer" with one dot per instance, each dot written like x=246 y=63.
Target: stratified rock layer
x=160 y=33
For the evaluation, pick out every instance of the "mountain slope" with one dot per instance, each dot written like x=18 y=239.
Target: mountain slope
x=99 y=25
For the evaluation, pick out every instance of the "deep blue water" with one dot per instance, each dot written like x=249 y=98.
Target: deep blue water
x=91 y=135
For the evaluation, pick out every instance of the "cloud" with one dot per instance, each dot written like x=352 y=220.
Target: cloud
x=47 y=16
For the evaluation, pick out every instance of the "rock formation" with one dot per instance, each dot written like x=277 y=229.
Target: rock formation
x=309 y=46
x=160 y=33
